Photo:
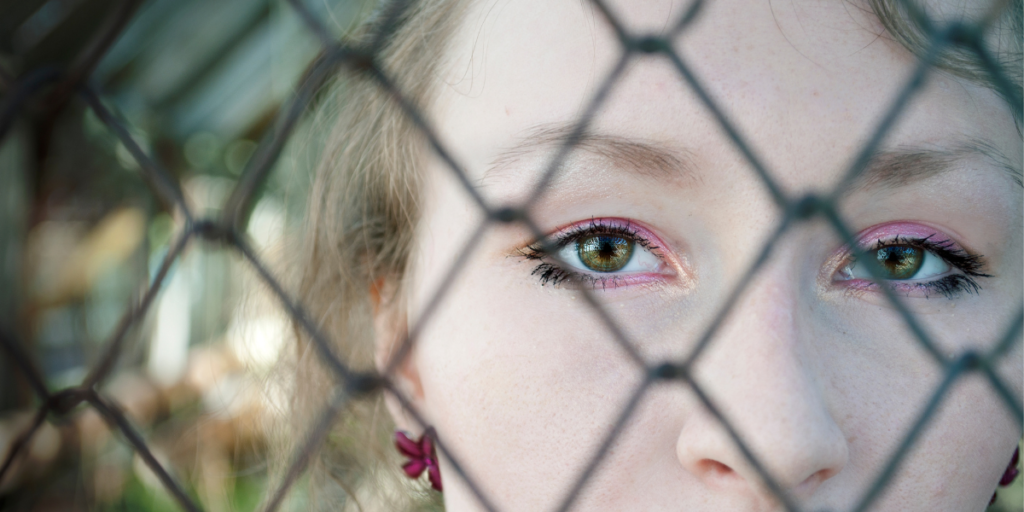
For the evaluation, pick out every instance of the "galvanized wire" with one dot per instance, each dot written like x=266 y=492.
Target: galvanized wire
x=229 y=228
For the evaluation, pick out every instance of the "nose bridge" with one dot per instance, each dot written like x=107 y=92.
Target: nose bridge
x=757 y=373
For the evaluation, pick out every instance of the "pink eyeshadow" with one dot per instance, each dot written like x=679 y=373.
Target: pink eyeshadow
x=888 y=232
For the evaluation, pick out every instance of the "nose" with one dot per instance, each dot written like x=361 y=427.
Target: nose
x=759 y=373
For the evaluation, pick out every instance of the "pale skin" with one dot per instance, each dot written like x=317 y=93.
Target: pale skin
x=814 y=369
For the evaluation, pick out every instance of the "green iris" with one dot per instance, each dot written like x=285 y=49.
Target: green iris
x=604 y=253
x=900 y=261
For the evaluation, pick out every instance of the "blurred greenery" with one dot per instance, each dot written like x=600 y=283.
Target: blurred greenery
x=1010 y=499
x=196 y=83
x=245 y=495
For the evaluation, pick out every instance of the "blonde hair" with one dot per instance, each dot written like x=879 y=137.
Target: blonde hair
x=362 y=213
x=1004 y=31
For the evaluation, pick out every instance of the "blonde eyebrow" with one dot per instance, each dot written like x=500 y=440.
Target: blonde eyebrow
x=904 y=165
x=890 y=168
x=639 y=157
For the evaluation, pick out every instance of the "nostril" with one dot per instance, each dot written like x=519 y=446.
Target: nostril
x=712 y=470
x=810 y=485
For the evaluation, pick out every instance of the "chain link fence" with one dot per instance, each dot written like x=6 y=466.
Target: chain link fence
x=56 y=87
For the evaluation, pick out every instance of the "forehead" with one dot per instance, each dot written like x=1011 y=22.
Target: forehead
x=805 y=83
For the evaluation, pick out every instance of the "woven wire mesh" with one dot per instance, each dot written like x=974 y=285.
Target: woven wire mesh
x=63 y=85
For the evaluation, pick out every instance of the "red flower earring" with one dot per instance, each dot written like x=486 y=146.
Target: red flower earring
x=422 y=456
x=1010 y=474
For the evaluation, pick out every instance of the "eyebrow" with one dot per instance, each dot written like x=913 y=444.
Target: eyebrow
x=642 y=158
x=904 y=165
x=889 y=168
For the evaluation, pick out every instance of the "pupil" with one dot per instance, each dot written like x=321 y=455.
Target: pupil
x=605 y=253
x=900 y=261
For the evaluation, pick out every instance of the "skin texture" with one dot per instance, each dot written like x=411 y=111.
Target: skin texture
x=822 y=379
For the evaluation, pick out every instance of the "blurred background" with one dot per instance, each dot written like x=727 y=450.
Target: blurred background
x=197 y=83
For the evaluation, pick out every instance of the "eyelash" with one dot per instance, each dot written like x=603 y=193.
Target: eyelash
x=950 y=286
x=554 y=274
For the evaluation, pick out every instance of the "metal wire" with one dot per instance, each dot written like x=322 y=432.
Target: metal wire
x=228 y=229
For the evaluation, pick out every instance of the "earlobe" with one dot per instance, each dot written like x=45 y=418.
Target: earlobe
x=404 y=380
x=390 y=330
x=377 y=293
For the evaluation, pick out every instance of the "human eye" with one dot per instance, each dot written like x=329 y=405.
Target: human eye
x=921 y=262
x=601 y=253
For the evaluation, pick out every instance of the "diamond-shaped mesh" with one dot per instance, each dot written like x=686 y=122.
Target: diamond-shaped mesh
x=227 y=229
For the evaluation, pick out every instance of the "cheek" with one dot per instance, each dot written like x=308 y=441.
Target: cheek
x=961 y=452
x=516 y=379
x=883 y=391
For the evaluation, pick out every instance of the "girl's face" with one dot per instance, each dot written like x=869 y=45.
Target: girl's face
x=659 y=217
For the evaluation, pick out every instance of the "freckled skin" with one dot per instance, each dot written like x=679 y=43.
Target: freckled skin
x=523 y=381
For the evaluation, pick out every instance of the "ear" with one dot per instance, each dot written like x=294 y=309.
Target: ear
x=390 y=328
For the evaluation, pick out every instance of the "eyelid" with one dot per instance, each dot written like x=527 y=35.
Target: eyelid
x=567 y=233
x=556 y=273
x=965 y=266
x=870 y=237
x=885 y=234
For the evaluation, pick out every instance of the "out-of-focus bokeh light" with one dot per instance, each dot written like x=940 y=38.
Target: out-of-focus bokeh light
x=197 y=83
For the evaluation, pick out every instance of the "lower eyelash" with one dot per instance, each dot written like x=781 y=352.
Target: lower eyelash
x=596 y=227
x=550 y=273
x=951 y=286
